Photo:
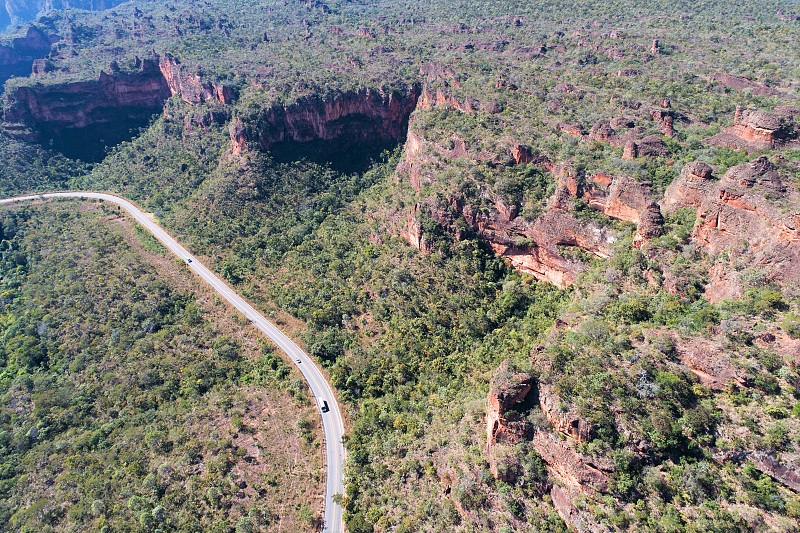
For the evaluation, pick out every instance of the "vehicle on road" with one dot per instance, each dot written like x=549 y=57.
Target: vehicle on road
x=323 y=405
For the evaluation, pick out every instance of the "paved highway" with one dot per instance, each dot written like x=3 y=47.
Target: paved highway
x=331 y=420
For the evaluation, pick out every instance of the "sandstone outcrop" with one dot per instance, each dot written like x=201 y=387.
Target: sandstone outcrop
x=507 y=389
x=626 y=199
x=438 y=84
x=757 y=130
x=116 y=97
x=533 y=247
x=525 y=155
x=708 y=361
x=571 y=474
x=577 y=520
x=577 y=473
x=741 y=83
x=621 y=197
x=751 y=204
x=18 y=56
x=360 y=116
x=562 y=418
x=191 y=87
x=771 y=466
x=37 y=111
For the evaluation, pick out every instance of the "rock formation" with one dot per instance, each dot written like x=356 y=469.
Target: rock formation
x=534 y=247
x=18 y=56
x=625 y=199
x=359 y=116
x=40 y=111
x=191 y=87
x=757 y=130
x=575 y=473
x=572 y=474
x=741 y=83
x=562 y=418
x=752 y=203
x=507 y=389
x=708 y=361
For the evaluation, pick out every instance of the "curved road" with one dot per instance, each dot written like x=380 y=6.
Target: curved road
x=331 y=420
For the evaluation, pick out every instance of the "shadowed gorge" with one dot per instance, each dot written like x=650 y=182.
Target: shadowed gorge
x=347 y=130
x=81 y=119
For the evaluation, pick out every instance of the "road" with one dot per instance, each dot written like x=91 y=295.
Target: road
x=331 y=420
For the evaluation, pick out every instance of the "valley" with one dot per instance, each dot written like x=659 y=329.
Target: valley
x=547 y=255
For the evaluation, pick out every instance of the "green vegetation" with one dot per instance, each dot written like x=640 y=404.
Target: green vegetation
x=130 y=390
x=151 y=411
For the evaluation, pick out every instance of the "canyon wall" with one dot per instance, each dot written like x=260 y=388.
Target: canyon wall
x=19 y=54
x=81 y=118
x=364 y=116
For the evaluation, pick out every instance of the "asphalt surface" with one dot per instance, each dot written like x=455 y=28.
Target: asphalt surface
x=331 y=420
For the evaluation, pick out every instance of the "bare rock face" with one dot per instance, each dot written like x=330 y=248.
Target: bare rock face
x=630 y=151
x=525 y=155
x=690 y=189
x=359 y=116
x=534 y=248
x=564 y=420
x=771 y=466
x=574 y=475
x=41 y=67
x=576 y=519
x=757 y=130
x=439 y=82
x=191 y=87
x=412 y=231
x=18 y=57
x=752 y=204
x=508 y=388
x=741 y=83
x=619 y=197
x=55 y=108
x=708 y=361
x=576 y=472
x=36 y=112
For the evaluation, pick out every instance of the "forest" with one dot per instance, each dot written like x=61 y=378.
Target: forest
x=482 y=242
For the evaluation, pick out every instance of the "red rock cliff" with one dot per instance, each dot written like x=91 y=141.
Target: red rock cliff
x=110 y=98
x=751 y=204
x=360 y=116
x=191 y=87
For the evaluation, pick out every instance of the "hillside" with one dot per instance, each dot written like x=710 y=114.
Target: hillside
x=549 y=253
x=133 y=400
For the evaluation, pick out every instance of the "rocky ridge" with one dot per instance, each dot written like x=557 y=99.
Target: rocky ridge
x=751 y=203
x=36 y=111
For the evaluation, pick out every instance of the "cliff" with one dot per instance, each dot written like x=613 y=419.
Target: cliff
x=364 y=116
x=751 y=203
x=508 y=388
x=571 y=473
x=190 y=86
x=105 y=110
x=37 y=112
x=757 y=130
x=18 y=56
